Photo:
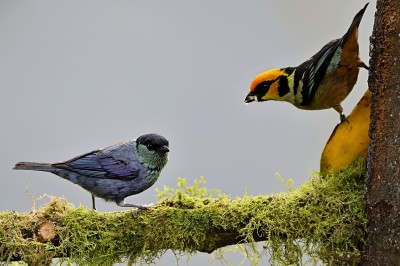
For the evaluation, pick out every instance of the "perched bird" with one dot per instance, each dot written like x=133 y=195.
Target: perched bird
x=115 y=172
x=322 y=82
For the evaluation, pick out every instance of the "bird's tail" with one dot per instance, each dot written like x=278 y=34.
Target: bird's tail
x=34 y=166
x=349 y=42
x=357 y=20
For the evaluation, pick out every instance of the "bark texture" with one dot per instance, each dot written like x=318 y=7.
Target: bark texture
x=382 y=189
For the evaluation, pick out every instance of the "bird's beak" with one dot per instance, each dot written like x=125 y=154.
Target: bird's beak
x=164 y=149
x=250 y=98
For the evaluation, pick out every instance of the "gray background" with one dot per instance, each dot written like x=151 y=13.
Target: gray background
x=81 y=75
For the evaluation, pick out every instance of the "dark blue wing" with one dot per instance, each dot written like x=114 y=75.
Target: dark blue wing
x=103 y=164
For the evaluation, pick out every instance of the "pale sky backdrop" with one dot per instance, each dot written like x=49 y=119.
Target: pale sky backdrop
x=81 y=75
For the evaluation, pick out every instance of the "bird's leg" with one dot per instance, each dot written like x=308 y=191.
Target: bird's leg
x=93 y=203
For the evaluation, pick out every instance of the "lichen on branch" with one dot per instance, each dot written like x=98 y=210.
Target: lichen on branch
x=324 y=218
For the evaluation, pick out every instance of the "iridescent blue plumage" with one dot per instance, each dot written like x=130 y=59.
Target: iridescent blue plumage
x=115 y=172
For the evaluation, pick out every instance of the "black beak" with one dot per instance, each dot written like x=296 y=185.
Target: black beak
x=163 y=149
x=250 y=98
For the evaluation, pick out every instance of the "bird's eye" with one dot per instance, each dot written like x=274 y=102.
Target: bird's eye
x=262 y=88
x=150 y=147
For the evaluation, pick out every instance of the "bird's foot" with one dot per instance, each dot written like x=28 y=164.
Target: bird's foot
x=139 y=207
x=362 y=64
x=343 y=118
x=147 y=206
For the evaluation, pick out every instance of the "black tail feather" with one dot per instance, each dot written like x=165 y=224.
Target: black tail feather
x=357 y=19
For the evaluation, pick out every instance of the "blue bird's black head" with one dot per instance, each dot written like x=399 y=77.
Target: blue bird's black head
x=153 y=142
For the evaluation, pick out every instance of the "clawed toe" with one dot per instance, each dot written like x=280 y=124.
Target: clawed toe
x=140 y=208
x=343 y=118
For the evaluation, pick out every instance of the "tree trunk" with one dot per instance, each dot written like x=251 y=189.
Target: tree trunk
x=382 y=189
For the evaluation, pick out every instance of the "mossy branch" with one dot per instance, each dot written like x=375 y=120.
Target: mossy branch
x=324 y=218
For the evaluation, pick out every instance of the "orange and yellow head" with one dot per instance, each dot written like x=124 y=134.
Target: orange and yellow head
x=269 y=85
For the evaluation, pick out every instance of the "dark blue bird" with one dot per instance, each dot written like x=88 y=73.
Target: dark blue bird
x=115 y=172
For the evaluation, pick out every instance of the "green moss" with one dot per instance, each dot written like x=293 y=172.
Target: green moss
x=324 y=218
